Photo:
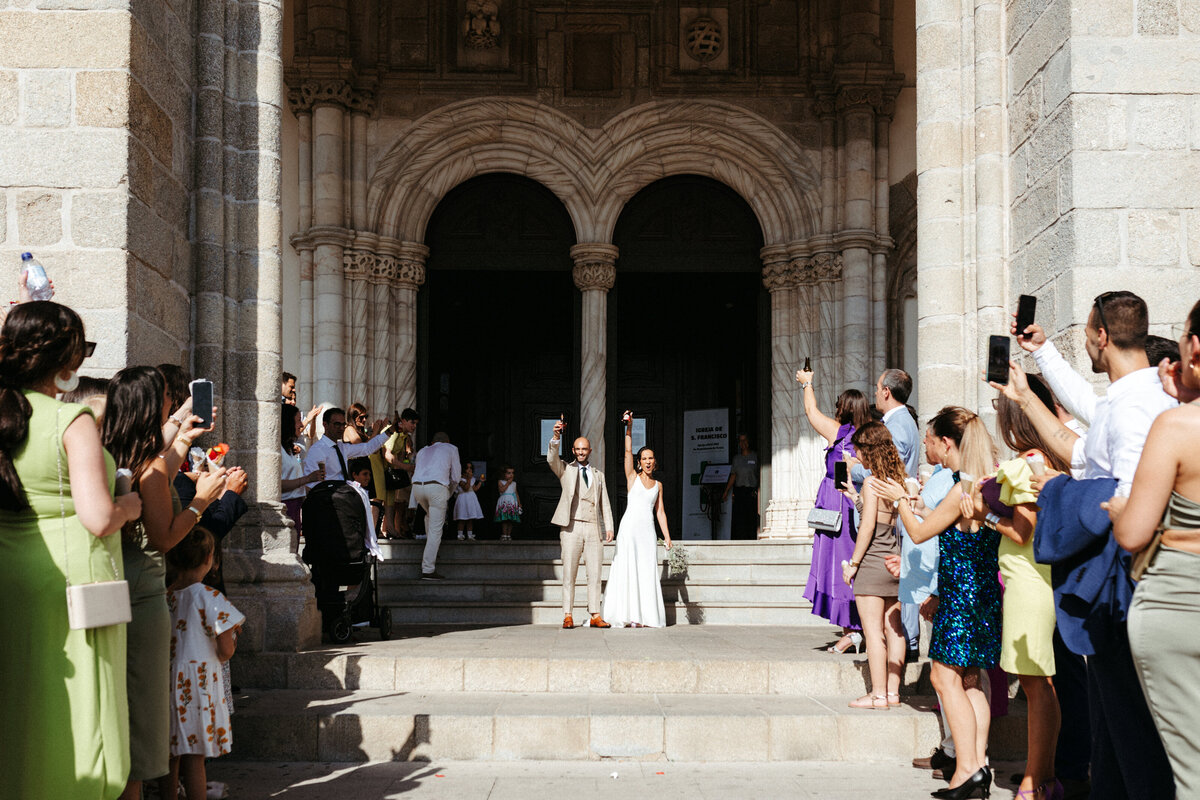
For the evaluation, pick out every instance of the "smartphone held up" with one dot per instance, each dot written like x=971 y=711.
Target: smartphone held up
x=997 y=369
x=202 y=401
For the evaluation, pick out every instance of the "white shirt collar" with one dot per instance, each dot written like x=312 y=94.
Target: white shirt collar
x=1138 y=380
x=891 y=413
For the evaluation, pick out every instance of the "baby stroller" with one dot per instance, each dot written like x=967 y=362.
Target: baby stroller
x=344 y=573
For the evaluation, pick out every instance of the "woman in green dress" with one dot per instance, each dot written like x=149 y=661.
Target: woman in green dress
x=63 y=691
x=136 y=426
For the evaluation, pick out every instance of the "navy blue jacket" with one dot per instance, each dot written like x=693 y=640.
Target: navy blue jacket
x=1088 y=569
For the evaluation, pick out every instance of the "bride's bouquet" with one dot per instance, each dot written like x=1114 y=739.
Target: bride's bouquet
x=677 y=560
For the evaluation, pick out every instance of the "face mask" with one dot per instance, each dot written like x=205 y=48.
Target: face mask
x=68 y=384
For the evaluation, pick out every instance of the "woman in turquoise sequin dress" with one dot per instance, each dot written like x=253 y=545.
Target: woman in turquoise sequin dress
x=966 y=627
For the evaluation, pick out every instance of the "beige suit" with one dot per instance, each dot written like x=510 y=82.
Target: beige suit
x=584 y=517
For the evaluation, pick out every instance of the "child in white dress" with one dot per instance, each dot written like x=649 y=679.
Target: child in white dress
x=204 y=628
x=466 y=505
x=508 y=504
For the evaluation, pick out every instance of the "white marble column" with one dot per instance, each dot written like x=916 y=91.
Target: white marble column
x=855 y=104
x=783 y=517
x=380 y=364
x=304 y=388
x=410 y=274
x=594 y=274
x=354 y=347
x=884 y=244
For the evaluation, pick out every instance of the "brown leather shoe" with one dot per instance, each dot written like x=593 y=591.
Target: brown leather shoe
x=568 y=623
x=598 y=622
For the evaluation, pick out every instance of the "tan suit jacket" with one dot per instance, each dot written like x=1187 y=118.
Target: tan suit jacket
x=568 y=476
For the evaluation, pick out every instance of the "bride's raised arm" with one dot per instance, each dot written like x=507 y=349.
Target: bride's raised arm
x=630 y=472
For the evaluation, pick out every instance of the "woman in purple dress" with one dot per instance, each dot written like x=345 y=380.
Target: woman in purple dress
x=831 y=598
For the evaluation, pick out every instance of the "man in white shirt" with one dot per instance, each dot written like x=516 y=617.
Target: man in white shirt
x=1127 y=755
x=333 y=454
x=437 y=469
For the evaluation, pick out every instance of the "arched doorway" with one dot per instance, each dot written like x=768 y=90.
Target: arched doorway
x=684 y=323
x=499 y=341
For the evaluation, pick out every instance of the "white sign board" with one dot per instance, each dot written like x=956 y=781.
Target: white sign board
x=705 y=441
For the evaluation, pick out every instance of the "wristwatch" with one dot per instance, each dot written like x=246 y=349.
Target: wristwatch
x=992 y=519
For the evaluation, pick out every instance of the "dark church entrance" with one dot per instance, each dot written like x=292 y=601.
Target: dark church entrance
x=684 y=330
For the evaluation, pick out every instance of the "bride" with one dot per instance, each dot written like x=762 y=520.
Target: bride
x=634 y=595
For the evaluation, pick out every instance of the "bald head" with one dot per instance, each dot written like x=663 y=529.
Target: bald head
x=582 y=449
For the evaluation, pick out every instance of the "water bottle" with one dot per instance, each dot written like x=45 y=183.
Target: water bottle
x=35 y=281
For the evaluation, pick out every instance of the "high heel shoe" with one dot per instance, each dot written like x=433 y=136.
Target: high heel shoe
x=980 y=782
x=853 y=639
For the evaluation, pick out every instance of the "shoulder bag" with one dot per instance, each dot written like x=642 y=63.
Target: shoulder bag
x=89 y=605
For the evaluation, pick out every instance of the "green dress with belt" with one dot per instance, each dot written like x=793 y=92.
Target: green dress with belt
x=65 y=732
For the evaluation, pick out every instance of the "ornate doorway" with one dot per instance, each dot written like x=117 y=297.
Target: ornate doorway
x=684 y=329
x=499 y=340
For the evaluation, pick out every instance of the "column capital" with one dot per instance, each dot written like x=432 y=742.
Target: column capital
x=595 y=266
x=821 y=268
x=410 y=264
x=778 y=271
x=309 y=93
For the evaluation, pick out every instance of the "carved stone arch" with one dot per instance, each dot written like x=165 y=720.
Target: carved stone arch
x=476 y=137
x=717 y=140
x=594 y=172
x=902 y=262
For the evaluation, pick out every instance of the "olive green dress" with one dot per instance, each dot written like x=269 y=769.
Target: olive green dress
x=65 y=729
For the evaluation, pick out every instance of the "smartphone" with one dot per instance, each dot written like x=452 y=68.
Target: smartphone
x=841 y=474
x=1026 y=307
x=124 y=482
x=202 y=401
x=997 y=370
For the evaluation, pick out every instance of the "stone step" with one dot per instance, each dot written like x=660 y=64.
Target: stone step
x=629 y=669
x=534 y=591
x=548 y=612
x=290 y=725
x=409 y=565
x=750 y=552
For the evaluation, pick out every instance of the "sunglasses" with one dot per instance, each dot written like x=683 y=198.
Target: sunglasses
x=1098 y=304
x=88 y=349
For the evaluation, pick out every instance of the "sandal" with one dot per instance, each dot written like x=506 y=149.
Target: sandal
x=870 y=701
x=896 y=695
x=851 y=641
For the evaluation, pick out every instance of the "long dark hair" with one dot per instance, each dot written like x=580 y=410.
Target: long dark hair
x=852 y=408
x=132 y=429
x=287 y=425
x=177 y=381
x=39 y=340
x=1018 y=431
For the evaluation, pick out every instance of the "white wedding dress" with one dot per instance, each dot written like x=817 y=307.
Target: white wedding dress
x=634 y=593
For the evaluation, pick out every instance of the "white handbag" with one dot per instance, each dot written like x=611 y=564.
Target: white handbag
x=824 y=519
x=90 y=605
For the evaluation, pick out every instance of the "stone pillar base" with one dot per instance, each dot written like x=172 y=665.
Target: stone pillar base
x=787 y=519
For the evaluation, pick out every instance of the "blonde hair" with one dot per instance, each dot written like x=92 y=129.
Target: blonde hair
x=976 y=450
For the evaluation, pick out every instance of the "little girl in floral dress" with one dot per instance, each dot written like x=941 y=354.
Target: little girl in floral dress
x=204 y=628
x=508 y=505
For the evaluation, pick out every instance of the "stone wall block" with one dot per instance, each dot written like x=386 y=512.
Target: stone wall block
x=1021 y=17
x=1036 y=210
x=171 y=200
x=1154 y=238
x=150 y=124
x=151 y=239
x=85 y=41
x=939 y=243
x=92 y=279
x=1050 y=143
x=1025 y=112
x=938 y=46
x=1150 y=65
x=39 y=217
x=1123 y=180
x=3 y=216
x=160 y=303
x=98 y=219
x=1056 y=79
x=10 y=96
x=1099 y=122
x=1105 y=18
x=1018 y=171
x=1045 y=37
x=102 y=98
x=1193 y=236
x=1158 y=17
x=46 y=99
x=94 y=158
x=1160 y=123
x=1095 y=237
x=1189 y=15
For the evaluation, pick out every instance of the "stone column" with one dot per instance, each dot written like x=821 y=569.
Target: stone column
x=354 y=343
x=884 y=245
x=856 y=106
x=304 y=388
x=783 y=508
x=594 y=274
x=381 y=273
x=410 y=274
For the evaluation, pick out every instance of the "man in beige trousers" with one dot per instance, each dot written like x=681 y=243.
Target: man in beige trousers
x=583 y=512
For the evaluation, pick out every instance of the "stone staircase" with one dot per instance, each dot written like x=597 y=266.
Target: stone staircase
x=685 y=693
x=728 y=583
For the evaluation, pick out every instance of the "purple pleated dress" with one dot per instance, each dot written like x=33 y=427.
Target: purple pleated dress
x=831 y=598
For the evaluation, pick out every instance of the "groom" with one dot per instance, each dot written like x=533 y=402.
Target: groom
x=582 y=510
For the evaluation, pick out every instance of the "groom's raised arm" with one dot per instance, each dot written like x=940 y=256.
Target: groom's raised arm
x=556 y=464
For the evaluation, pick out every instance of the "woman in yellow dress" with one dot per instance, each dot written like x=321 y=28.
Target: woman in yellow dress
x=66 y=729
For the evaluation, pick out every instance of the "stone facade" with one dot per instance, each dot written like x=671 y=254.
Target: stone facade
x=236 y=186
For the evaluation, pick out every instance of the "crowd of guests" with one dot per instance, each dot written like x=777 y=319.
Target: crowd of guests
x=322 y=446
x=1071 y=566
x=97 y=488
